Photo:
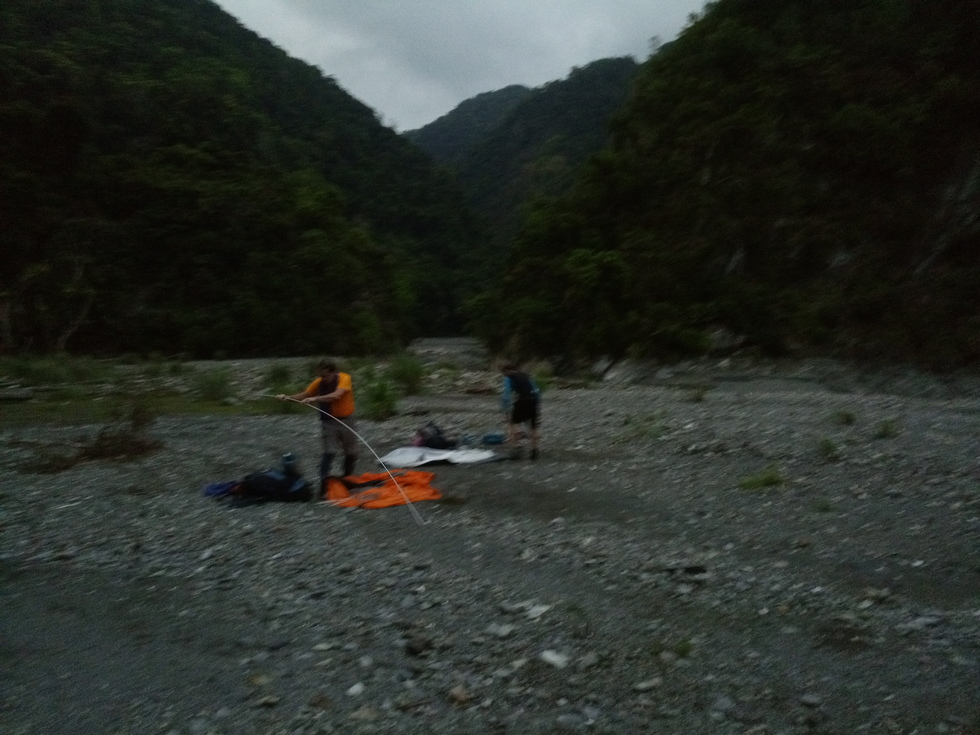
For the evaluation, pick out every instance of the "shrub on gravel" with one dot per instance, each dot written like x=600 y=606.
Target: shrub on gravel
x=844 y=418
x=823 y=506
x=645 y=427
x=378 y=399
x=697 y=395
x=828 y=449
x=887 y=429
x=279 y=376
x=770 y=477
x=54 y=370
x=213 y=385
x=122 y=438
x=408 y=372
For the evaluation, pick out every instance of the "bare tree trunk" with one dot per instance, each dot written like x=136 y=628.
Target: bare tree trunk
x=81 y=313
x=75 y=322
x=6 y=323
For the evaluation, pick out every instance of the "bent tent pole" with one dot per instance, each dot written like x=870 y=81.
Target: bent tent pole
x=411 y=506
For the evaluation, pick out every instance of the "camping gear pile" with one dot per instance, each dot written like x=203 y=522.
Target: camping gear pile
x=284 y=483
x=430 y=444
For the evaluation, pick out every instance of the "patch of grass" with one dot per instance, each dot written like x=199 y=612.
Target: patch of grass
x=448 y=371
x=681 y=649
x=887 y=429
x=89 y=411
x=408 y=372
x=823 y=506
x=697 y=395
x=575 y=610
x=122 y=438
x=278 y=378
x=83 y=410
x=645 y=427
x=272 y=405
x=55 y=369
x=70 y=392
x=770 y=477
x=543 y=376
x=684 y=647
x=378 y=399
x=153 y=369
x=76 y=402
x=189 y=406
x=844 y=418
x=213 y=385
x=158 y=366
x=353 y=366
x=828 y=449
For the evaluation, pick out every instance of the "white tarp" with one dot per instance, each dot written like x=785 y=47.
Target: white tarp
x=415 y=456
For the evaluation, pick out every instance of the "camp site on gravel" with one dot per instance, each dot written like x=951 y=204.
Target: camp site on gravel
x=718 y=546
x=489 y=368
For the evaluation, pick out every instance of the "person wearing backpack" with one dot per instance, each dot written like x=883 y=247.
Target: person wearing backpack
x=333 y=393
x=520 y=396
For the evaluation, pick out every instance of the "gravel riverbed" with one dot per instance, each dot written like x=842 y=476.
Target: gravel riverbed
x=769 y=550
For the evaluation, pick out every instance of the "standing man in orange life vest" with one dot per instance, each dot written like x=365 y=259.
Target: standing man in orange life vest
x=332 y=393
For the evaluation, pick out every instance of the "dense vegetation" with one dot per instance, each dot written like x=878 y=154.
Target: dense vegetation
x=516 y=144
x=793 y=177
x=803 y=176
x=171 y=182
x=448 y=138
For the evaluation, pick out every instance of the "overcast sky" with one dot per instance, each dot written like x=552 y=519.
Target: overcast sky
x=415 y=60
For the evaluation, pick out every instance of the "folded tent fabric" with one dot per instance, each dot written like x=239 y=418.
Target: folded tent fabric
x=378 y=489
x=415 y=456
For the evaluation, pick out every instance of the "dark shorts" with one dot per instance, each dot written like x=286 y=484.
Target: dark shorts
x=525 y=410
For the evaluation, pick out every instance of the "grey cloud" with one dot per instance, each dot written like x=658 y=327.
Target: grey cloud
x=413 y=60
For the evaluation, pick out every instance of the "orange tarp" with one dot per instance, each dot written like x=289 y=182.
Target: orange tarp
x=378 y=490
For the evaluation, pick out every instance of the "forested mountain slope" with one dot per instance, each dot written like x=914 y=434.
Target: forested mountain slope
x=170 y=181
x=537 y=147
x=449 y=137
x=804 y=176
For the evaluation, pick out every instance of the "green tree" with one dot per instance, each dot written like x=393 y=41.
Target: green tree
x=802 y=174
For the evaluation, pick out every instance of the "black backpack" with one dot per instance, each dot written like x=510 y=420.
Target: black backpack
x=273 y=484
x=431 y=436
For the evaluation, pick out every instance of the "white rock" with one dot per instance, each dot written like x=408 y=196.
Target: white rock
x=537 y=611
x=558 y=660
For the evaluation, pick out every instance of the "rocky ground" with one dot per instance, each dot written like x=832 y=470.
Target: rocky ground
x=711 y=548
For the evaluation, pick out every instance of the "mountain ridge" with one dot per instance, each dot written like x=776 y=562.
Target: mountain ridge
x=148 y=148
